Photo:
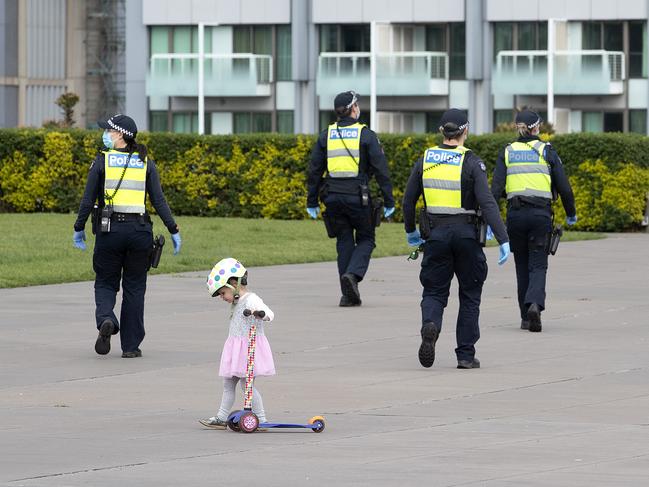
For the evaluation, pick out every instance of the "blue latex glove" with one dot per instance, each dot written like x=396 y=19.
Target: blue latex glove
x=490 y=233
x=78 y=239
x=571 y=220
x=504 y=253
x=177 y=242
x=313 y=212
x=388 y=212
x=414 y=239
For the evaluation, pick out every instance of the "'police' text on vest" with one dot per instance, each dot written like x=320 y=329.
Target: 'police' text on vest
x=438 y=156
x=119 y=160
x=344 y=133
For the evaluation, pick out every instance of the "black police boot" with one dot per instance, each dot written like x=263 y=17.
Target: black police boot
x=102 y=345
x=135 y=353
x=429 y=335
x=468 y=364
x=349 y=286
x=345 y=302
x=534 y=316
x=525 y=325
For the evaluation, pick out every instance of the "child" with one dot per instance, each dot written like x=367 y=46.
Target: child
x=228 y=280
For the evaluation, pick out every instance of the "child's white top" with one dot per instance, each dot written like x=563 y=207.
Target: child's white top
x=239 y=324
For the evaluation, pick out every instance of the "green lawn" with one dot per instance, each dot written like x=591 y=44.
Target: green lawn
x=37 y=248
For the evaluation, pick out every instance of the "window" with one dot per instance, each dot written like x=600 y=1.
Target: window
x=503 y=37
x=159 y=40
x=345 y=38
x=158 y=121
x=284 y=54
x=327 y=117
x=503 y=117
x=436 y=38
x=247 y=122
x=520 y=36
x=637 y=49
x=285 y=121
x=603 y=35
x=432 y=121
x=638 y=121
x=457 y=54
x=602 y=121
x=187 y=123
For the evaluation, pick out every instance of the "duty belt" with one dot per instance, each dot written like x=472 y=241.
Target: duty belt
x=440 y=220
x=131 y=217
x=519 y=201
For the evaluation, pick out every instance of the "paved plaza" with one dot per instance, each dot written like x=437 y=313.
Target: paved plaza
x=566 y=407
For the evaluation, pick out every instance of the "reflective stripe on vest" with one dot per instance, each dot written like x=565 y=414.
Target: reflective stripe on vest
x=442 y=181
x=528 y=173
x=339 y=140
x=131 y=194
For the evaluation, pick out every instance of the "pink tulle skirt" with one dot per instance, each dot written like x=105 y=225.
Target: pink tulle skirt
x=235 y=357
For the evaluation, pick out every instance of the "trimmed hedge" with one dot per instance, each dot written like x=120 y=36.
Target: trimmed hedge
x=263 y=175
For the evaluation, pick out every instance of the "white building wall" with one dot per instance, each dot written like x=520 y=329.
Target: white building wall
x=184 y=12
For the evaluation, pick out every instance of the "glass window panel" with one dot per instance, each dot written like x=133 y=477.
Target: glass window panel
x=503 y=37
x=329 y=38
x=638 y=121
x=526 y=36
x=182 y=39
x=436 y=38
x=261 y=122
x=503 y=116
x=263 y=39
x=355 y=38
x=241 y=123
x=592 y=122
x=159 y=40
x=432 y=121
x=637 y=50
x=241 y=39
x=158 y=121
x=613 y=36
x=284 y=57
x=457 y=61
x=285 y=121
x=613 y=122
x=181 y=123
x=591 y=35
x=542 y=39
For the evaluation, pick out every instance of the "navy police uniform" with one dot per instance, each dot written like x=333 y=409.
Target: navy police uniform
x=452 y=247
x=122 y=254
x=530 y=174
x=350 y=154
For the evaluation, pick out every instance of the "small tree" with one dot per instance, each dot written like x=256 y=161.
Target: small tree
x=66 y=102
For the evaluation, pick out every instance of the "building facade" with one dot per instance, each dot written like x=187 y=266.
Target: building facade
x=275 y=65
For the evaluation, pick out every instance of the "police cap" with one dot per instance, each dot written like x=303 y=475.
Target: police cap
x=455 y=117
x=529 y=118
x=121 y=123
x=345 y=100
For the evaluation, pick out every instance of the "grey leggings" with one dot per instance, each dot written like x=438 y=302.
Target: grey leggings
x=229 y=388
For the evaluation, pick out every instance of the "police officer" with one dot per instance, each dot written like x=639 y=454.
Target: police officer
x=118 y=180
x=529 y=173
x=350 y=154
x=453 y=182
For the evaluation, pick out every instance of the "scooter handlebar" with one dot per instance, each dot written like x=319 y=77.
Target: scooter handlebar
x=257 y=314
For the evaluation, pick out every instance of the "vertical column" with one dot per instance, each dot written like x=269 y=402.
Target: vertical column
x=304 y=53
x=136 y=65
x=22 y=62
x=478 y=65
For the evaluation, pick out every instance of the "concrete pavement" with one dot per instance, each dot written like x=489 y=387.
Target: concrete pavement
x=566 y=407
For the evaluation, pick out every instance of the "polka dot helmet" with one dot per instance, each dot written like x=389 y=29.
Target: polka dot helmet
x=222 y=271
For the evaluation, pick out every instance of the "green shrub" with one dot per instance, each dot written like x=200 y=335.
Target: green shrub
x=264 y=175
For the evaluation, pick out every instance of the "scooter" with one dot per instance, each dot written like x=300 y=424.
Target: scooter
x=245 y=420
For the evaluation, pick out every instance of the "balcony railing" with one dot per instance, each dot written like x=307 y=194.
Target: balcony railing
x=590 y=72
x=224 y=75
x=397 y=73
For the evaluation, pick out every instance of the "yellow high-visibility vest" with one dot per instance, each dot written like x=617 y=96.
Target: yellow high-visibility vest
x=341 y=142
x=528 y=173
x=131 y=194
x=442 y=180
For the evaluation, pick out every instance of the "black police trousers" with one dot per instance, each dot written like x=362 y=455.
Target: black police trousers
x=123 y=255
x=454 y=249
x=529 y=228
x=354 y=232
